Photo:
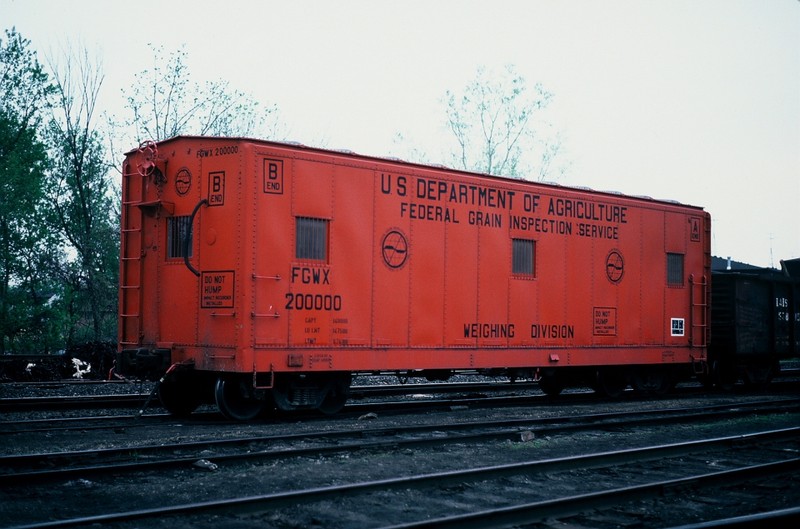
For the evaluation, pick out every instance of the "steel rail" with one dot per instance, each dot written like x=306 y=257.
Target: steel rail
x=494 y=518
x=14 y=427
x=538 y=511
x=71 y=402
x=505 y=429
x=356 y=392
x=351 y=409
x=779 y=517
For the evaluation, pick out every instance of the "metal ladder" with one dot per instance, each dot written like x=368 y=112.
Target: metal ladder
x=131 y=265
x=698 y=311
x=699 y=324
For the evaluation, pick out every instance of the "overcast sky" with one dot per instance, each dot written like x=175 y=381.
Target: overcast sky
x=691 y=100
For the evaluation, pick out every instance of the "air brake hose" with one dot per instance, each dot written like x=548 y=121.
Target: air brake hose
x=187 y=238
x=155 y=388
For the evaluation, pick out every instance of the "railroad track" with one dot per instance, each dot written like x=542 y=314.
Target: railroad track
x=20 y=471
x=357 y=394
x=71 y=464
x=523 y=509
x=371 y=398
x=374 y=399
x=71 y=402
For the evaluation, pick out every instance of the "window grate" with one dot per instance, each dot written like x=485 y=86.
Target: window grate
x=675 y=269
x=178 y=228
x=524 y=257
x=312 y=239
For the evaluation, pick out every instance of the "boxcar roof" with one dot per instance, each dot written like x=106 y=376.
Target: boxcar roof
x=378 y=159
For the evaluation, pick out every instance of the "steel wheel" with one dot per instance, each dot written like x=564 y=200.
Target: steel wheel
x=757 y=377
x=611 y=382
x=335 y=398
x=235 y=399
x=179 y=394
x=551 y=383
x=724 y=374
x=652 y=381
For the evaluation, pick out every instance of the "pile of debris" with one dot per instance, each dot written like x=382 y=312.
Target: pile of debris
x=91 y=360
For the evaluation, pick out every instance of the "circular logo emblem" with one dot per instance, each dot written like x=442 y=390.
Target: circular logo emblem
x=183 y=181
x=395 y=249
x=615 y=266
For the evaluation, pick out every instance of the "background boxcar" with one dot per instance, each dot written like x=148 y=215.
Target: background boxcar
x=256 y=272
x=755 y=324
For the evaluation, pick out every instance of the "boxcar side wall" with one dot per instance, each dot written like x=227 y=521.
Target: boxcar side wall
x=756 y=316
x=306 y=260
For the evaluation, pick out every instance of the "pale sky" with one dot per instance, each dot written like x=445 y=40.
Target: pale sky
x=690 y=100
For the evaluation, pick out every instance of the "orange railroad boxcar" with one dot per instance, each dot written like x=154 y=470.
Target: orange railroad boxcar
x=254 y=272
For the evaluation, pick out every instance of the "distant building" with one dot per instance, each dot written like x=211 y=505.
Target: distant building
x=789 y=267
x=722 y=263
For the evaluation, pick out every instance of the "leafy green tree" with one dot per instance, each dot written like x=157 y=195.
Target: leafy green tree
x=497 y=127
x=26 y=249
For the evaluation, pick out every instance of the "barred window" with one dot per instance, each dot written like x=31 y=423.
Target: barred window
x=312 y=239
x=675 y=269
x=178 y=228
x=523 y=257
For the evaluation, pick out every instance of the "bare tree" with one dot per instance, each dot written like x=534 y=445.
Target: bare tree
x=81 y=194
x=496 y=123
x=165 y=102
